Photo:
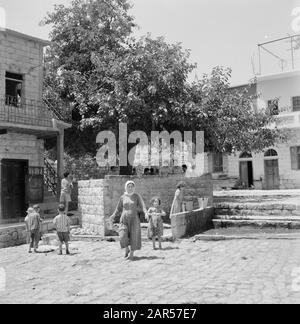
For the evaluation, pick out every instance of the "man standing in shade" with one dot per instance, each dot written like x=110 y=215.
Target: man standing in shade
x=66 y=190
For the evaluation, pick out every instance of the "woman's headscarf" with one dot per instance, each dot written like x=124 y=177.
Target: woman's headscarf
x=30 y=210
x=127 y=184
x=143 y=207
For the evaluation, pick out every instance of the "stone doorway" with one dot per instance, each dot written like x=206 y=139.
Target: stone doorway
x=13 y=190
x=272 y=181
x=246 y=170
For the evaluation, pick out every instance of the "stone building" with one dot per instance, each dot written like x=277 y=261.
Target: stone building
x=276 y=167
x=25 y=122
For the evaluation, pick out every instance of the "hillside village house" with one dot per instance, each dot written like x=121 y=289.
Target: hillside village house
x=277 y=167
x=25 y=122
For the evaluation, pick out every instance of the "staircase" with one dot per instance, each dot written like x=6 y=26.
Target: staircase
x=267 y=210
x=49 y=206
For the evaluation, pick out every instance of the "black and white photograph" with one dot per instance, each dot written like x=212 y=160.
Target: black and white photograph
x=149 y=154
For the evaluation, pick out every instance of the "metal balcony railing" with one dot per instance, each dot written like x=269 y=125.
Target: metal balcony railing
x=18 y=111
x=50 y=177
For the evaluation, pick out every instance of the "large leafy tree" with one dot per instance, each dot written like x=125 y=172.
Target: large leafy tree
x=230 y=117
x=108 y=77
x=78 y=32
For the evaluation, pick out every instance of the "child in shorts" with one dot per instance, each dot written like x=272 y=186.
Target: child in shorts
x=63 y=225
x=32 y=222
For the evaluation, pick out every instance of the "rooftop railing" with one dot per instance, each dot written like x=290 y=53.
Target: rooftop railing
x=280 y=55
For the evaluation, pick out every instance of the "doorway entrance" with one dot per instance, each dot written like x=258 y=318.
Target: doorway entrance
x=13 y=190
x=246 y=174
x=272 y=181
x=246 y=170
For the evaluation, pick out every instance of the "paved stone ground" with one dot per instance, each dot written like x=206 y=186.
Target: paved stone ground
x=242 y=271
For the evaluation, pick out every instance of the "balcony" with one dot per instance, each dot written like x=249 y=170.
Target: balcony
x=16 y=112
x=288 y=119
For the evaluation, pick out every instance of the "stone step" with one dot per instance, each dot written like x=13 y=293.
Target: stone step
x=49 y=206
x=257 y=206
x=259 y=218
x=257 y=212
x=49 y=198
x=259 y=224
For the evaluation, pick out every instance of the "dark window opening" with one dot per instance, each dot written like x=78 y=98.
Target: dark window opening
x=246 y=155
x=217 y=162
x=13 y=89
x=271 y=153
x=296 y=103
x=295 y=157
x=273 y=107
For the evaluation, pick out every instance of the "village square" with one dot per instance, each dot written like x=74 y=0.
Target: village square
x=129 y=178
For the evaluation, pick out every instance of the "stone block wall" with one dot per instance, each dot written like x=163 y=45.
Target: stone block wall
x=12 y=236
x=99 y=198
x=23 y=56
x=16 y=234
x=22 y=147
x=192 y=223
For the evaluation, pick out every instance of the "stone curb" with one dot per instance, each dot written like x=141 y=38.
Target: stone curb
x=243 y=237
x=168 y=238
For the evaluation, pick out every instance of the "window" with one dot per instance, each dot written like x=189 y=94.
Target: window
x=295 y=157
x=246 y=155
x=271 y=153
x=217 y=159
x=13 y=89
x=296 y=103
x=273 y=107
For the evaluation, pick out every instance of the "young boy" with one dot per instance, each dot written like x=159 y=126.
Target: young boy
x=32 y=222
x=63 y=225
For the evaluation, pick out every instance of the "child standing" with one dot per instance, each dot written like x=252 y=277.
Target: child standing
x=32 y=222
x=63 y=225
x=37 y=209
x=156 y=225
x=66 y=191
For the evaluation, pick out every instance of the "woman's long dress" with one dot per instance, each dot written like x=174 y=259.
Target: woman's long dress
x=127 y=211
x=177 y=202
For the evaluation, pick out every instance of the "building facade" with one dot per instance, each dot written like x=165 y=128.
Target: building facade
x=25 y=123
x=277 y=167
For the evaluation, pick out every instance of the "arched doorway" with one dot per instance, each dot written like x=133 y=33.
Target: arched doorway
x=272 y=181
x=246 y=170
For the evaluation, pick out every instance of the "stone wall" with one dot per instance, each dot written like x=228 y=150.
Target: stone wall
x=192 y=223
x=99 y=198
x=16 y=234
x=23 y=56
x=22 y=147
x=12 y=235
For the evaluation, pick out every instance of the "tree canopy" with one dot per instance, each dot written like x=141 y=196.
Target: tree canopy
x=107 y=76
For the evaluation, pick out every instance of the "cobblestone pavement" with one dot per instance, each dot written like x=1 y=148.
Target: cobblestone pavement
x=243 y=271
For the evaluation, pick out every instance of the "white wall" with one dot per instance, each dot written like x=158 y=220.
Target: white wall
x=284 y=87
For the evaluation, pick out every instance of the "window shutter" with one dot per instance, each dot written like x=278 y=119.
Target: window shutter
x=294 y=158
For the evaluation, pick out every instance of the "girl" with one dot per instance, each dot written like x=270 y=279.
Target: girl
x=156 y=225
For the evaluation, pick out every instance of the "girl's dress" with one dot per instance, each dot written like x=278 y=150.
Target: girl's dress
x=156 y=224
x=127 y=212
x=177 y=202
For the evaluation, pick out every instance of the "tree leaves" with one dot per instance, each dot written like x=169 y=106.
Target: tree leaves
x=108 y=76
